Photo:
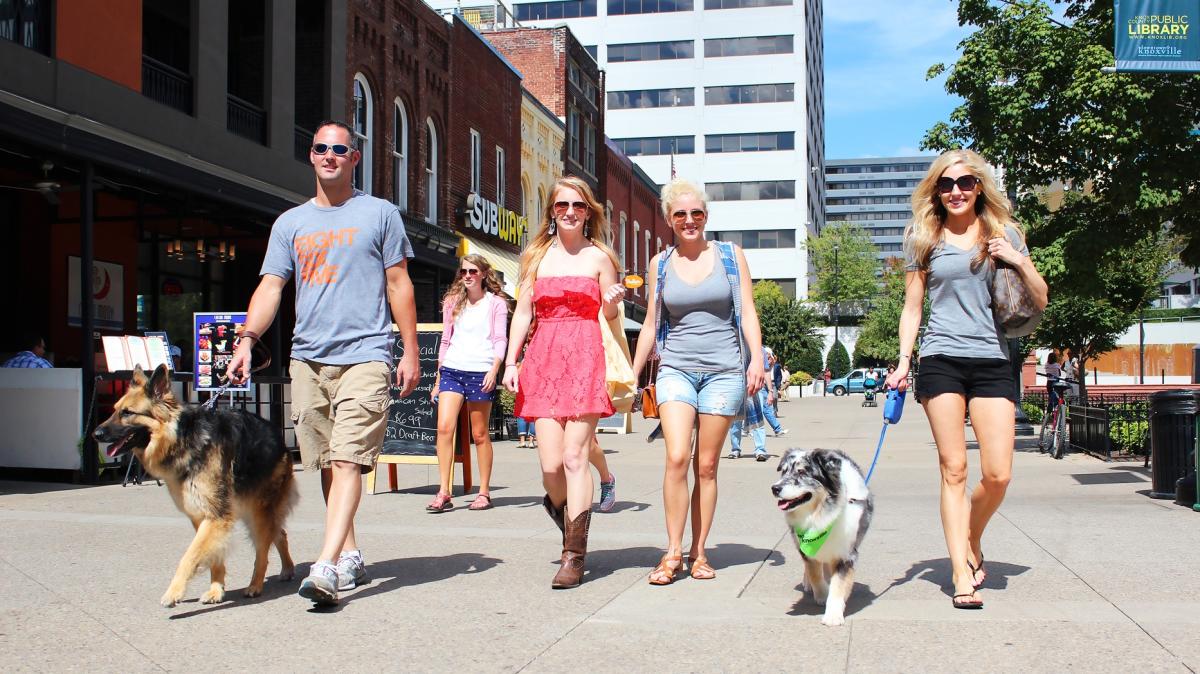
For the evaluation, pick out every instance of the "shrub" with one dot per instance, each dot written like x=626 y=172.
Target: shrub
x=1128 y=437
x=838 y=360
x=508 y=401
x=800 y=379
x=810 y=358
x=1033 y=411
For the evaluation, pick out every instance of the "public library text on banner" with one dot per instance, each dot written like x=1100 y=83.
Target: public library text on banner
x=1156 y=35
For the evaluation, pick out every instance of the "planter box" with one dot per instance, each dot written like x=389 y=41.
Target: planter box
x=794 y=392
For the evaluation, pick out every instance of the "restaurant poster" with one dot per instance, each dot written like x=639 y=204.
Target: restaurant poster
x=216 y=337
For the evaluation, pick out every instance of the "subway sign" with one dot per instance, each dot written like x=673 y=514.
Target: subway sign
x=486 y=217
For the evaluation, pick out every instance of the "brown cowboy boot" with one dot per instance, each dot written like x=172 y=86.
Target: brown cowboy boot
x=575 y=537
x=559 y=515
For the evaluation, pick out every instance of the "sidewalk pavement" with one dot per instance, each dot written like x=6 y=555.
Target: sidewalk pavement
x=1086 y=573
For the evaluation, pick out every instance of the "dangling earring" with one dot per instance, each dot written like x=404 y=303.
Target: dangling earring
x=551 y=228
x=587 y=232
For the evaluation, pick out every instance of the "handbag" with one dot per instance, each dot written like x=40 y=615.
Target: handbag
x=649 y=401
x=1014 y=307
x=618 y=372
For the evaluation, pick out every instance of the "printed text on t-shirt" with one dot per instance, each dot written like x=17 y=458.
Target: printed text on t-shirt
x=312 y=254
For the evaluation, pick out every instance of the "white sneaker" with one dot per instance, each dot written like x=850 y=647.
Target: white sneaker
x=351 y=570
x=781 y=433
x=321 y=584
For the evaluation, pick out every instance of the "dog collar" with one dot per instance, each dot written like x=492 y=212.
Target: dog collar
x=810 y=541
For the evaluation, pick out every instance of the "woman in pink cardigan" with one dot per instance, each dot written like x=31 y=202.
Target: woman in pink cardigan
x=474 y=340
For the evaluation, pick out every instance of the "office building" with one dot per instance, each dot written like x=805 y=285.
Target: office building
x=875 y=193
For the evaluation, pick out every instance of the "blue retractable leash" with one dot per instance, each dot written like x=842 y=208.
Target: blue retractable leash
x=892 y=409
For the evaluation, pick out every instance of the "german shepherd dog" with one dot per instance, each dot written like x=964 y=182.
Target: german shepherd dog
x=826 y=503
x=219 y=466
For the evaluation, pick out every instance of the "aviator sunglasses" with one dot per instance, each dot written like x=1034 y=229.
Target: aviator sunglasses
x=966 y=183
x=560 y=207
x=698 y=216
x=339 y=150
x=468 y=272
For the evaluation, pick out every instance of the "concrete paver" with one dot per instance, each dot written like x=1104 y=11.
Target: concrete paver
x=1085 y=573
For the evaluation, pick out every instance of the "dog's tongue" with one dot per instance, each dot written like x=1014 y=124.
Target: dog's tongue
x=783 y=504
x=116 y=446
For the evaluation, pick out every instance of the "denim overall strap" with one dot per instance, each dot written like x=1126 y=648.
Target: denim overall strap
x=753 y=409
x=662 y=327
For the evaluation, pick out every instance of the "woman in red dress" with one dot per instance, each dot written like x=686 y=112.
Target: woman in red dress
x=568 y=274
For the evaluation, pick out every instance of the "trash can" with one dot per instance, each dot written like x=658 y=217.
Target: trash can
x=1172 y=436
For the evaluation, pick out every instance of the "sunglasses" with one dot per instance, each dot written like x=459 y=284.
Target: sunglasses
x=339 y=150
x=561 y=207
x=698 y=216
x=468 y=272
x=945 y=184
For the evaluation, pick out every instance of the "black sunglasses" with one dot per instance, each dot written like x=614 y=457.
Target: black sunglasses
x=339 y=150
x=966 y=183
x=468 y=272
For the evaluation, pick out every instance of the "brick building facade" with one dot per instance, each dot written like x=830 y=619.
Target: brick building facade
x=561 y=74
x=638 y=226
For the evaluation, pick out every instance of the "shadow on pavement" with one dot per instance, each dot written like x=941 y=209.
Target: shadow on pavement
x=602 y=563
x=273 y=588
x=938 y=572
x=860 y=597
x=406 y=572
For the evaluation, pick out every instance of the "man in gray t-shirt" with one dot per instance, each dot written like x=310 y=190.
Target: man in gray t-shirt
x=348 y=254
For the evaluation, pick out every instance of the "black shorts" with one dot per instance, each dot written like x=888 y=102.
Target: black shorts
x=969 y=377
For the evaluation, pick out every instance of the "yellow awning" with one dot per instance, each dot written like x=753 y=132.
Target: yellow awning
x=506 y=263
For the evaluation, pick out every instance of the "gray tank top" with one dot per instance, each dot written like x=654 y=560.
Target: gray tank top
x=702 y=336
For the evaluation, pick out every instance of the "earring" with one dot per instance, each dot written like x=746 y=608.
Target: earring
x=551 y=228
x=587 y=232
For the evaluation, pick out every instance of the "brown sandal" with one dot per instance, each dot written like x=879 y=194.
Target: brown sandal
x=701 y=570
x=664 y=573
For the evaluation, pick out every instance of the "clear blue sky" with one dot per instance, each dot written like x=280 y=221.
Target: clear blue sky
x=877 y=101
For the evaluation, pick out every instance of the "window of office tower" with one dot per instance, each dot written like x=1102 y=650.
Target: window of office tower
x=750 y=93
x=749 y=142
x=651 y=51
x=748 y=46
x=632 y=147
x=26 y=22
x=563 y=9
x=651 y=98
x=743 y=4
x=751 y=190
x=616 y=7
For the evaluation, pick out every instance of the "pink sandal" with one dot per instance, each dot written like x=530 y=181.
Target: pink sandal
x=481 y=502
x=440 y=503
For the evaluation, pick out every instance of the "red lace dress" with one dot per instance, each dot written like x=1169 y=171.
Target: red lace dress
x=563 y=373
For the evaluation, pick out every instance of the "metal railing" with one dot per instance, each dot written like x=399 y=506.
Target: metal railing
x=246 y=119
x=166 y=85
x=1088 y=430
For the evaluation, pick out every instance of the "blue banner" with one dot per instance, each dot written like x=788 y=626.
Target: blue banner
x=1157 y=35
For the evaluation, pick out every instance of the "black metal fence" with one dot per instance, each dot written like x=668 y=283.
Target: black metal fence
x=166 y=85
x=1108 y=426
x=246 y=119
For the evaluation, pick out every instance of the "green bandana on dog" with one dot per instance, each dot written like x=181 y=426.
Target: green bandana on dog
x=810 y=540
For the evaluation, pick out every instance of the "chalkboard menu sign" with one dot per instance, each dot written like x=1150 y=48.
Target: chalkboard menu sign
x=412 y=421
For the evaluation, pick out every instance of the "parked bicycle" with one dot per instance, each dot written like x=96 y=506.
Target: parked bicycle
x=1053 y=438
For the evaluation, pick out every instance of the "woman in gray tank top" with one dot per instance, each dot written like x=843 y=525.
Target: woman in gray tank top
x=962 y=225
x=702 y=318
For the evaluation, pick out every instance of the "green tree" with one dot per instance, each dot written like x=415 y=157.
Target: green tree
x=879 y=341
x=838 y=360
x=788 y=327
x=847 y=277
x=810 y=359
x=1036 y=102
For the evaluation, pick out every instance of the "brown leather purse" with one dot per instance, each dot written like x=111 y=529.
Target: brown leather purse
x=649 y=400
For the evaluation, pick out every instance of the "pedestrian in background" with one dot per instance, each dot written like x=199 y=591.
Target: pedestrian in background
x=568 y=275
x=827 y=376
x=526 y=434
x=474 y=340
x=769 y=395
x=962 y=226
x=33 y=356
x=1053 y=371
x=705 y=329
x=349 y=253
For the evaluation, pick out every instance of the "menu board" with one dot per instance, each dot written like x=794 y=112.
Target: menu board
x=412 y=421
x=216 y=337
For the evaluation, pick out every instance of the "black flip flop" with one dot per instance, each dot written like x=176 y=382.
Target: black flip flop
x=975 y=570
x=968 y=605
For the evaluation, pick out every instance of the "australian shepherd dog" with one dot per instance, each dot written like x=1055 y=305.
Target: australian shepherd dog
x=219 y=466
x=828 y=508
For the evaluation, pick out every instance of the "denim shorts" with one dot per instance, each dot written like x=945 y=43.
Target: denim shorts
x=467 y=384
x=721 y=393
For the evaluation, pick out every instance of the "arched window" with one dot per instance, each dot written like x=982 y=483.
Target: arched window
x=362 y=131
x=647 y=250
x=400 y=157
x=640 y=266
x=537 y=219
x=431 y=173
x=621 y=243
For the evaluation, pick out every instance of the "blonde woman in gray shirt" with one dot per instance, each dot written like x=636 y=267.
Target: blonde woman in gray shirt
x=962 y=225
